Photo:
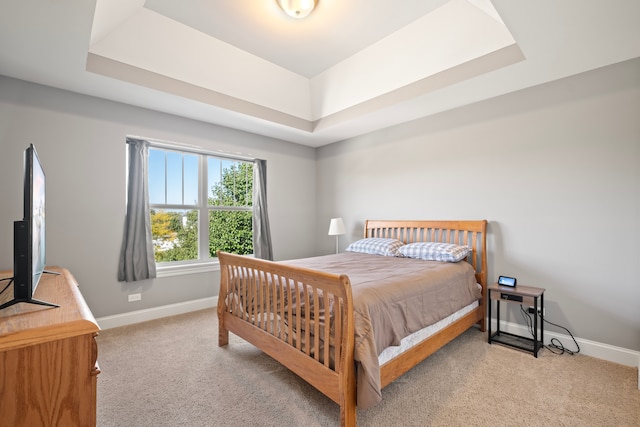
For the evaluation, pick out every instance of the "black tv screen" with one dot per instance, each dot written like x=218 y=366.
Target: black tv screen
x=29 y=256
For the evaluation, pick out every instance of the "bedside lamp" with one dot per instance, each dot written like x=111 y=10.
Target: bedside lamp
x=336 y=228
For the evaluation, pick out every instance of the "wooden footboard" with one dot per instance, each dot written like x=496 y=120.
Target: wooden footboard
x=291 y=314
x=304 y=318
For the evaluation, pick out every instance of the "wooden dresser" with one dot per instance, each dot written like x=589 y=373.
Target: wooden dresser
x=48 y=357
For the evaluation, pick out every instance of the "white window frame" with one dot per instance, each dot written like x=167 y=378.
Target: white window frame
x=204 y=263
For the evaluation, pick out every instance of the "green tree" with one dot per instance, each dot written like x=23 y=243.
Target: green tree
x=231 y=230
x=175 y=233
x=235 y=189
x=173 y=240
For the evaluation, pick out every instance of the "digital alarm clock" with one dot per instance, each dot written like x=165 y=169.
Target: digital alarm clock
x=507 y=281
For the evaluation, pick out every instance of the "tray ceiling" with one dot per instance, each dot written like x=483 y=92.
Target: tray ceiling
x=348 y=69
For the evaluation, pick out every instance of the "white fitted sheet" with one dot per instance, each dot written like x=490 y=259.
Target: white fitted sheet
x=419 y=336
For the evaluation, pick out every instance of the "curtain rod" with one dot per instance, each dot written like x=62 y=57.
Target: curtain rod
x=192 y=148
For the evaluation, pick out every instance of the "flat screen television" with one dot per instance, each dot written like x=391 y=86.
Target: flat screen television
x=29 y=235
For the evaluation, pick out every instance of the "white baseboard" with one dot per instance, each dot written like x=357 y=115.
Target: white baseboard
x=138 y=316
x=607 y=352
x=595 y=349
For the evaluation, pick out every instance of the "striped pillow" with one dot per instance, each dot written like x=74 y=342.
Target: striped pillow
x=376 y=246
x=435 y=251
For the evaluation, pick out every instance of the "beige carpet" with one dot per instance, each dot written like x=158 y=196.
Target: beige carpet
x=170 y=372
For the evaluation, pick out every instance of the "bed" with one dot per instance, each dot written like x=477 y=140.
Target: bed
x=314 y=319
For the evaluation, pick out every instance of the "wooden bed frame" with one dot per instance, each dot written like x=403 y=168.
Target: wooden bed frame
x=266 y=323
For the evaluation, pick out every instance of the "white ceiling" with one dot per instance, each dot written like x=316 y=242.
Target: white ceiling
x=350 y=68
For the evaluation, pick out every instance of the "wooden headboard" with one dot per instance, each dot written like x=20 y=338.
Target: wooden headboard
x=255 y=303
x=467 y=233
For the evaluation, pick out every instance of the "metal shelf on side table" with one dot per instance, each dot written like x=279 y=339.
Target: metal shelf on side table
x=524 y=295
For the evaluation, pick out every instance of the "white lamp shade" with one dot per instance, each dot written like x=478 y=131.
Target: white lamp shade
x=336 y=227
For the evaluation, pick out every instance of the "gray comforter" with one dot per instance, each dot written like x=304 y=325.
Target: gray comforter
x=392 y=298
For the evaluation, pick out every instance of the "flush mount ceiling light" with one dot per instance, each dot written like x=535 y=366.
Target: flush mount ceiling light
x=297 y=8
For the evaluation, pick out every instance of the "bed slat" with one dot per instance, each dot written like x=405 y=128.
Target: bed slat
x=263 y=306
x=260 y=301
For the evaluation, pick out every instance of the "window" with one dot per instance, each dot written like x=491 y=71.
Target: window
x=199 y=204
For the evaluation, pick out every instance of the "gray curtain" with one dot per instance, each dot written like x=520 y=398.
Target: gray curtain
x=261 y=234
x=136 y=255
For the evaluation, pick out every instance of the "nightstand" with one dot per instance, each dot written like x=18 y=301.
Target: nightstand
x=527 y=296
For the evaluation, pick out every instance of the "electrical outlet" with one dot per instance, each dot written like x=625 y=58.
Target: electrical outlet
x=135 y=297
x=532 y=310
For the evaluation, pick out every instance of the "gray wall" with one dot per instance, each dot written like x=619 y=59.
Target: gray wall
x=556 y=171
x=81 y=143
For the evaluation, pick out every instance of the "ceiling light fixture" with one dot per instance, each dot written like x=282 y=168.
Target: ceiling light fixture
x=297 y=8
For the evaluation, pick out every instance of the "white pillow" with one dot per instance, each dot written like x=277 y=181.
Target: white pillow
x=435 y=251
x=376 y=246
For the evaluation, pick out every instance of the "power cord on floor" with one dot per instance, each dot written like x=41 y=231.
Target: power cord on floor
x=555 y=346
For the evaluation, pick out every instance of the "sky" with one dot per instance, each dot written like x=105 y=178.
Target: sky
x=173 y=176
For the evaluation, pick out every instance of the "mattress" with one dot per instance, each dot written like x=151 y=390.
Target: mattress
x=393 y=298
x=417 y=337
